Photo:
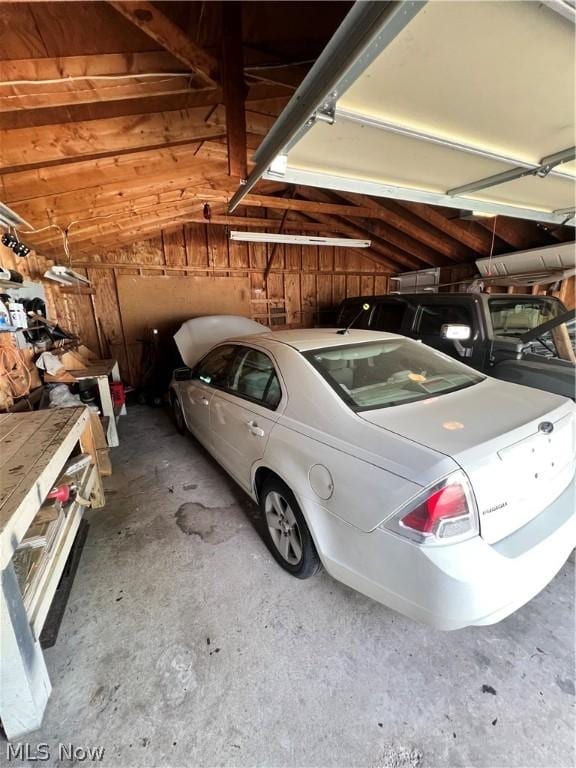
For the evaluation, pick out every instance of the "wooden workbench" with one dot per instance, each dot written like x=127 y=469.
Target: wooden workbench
x=34 y=449
x=100 y=370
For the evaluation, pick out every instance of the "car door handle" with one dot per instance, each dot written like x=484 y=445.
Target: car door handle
x=255 y=429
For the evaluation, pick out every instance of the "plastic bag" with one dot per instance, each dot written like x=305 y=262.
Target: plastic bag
x=61 y=397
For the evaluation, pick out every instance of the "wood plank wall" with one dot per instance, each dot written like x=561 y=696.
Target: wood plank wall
x=304 y=287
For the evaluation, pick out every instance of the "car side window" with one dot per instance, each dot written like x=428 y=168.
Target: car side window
x=433 y=316
x=214 y=368
x=253 y=377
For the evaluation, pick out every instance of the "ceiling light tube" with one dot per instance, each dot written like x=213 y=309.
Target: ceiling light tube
x=65 y=276
x=268 y=237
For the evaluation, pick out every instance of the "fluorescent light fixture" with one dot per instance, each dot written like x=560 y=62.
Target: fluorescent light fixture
x=475 y=215
x=267 y=237
x=65 y=276
x=8 y=218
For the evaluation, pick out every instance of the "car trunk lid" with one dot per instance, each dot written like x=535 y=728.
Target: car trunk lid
x=501 y=437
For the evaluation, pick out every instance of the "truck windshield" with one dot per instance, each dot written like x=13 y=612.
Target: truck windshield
x=379 y=374
x=515 y=316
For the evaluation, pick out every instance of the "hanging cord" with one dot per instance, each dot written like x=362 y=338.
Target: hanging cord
x=492 y=247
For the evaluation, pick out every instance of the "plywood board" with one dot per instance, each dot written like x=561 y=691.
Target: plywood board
x=166 y=302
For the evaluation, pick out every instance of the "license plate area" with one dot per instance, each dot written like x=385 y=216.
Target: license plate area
x=540 y=457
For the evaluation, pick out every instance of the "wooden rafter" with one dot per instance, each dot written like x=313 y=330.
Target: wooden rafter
x=393 y=214
x=138 y=103
x=380 y=253
x=515 y=232
x=27 y=146
x=66 y=80
x=412 y=253
x=162 y=30
x=234 y=88
x=467 y=232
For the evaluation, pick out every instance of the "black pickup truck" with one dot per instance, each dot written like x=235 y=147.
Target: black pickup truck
x=524 y=339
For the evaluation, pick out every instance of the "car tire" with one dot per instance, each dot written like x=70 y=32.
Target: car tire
x=178 y=415
x=285 y=530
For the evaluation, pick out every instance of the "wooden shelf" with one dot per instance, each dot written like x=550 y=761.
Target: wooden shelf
x=41 y=592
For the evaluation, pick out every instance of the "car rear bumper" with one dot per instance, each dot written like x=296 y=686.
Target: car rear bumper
x=455 y=585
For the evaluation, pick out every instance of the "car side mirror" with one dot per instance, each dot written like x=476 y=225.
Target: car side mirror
x=183 y=374
x=453 y=332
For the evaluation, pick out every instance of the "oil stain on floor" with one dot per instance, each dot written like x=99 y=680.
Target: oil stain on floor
x=214 y=525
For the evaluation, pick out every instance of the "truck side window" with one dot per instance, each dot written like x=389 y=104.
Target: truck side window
x=434 y=316
x=388 y=316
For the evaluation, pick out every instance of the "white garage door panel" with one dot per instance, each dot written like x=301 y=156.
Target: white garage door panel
x=366 y=152
x=487 y=73
x=428 y=101
x=552 y=192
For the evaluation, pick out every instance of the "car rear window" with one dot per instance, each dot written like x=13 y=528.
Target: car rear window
x=386 y=373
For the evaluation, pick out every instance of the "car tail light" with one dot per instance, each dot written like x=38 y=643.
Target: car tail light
x=443 y=512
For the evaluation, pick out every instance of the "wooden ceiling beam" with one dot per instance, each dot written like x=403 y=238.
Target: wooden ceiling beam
x=304 y=206
x=68 y=187
x=126 y=235
x=234 y=88
x=195 y=176
x=515 y=232
x=59 y=81
x=87 y=174
x=136 y=103
x=410 y=252
x=65 y=67
x=447 y=221
x=92 y=103
x=394 y=215
x=101 y=235
x=94 y=229
x=381 y=254
x=170 y=36
x=100 y=138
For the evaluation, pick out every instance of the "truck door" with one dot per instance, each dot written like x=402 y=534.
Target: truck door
x=431 y=315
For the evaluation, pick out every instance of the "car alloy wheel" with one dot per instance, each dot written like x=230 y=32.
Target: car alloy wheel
x=283 y=528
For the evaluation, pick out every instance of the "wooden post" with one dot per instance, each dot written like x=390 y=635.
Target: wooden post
x=234 y=88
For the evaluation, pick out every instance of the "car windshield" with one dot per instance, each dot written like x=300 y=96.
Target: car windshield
x=515 y=317
x=385 y=373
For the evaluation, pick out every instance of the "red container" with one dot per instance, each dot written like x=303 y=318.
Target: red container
x=118 y=394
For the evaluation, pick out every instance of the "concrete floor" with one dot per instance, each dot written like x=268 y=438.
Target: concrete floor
x=185 y=644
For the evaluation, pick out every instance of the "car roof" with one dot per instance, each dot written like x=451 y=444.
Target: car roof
x=304 y=339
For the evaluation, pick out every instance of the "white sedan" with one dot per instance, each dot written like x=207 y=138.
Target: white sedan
x=412 y=478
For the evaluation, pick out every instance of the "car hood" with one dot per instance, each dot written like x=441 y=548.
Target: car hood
x=565 y=317
x=198 y=335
